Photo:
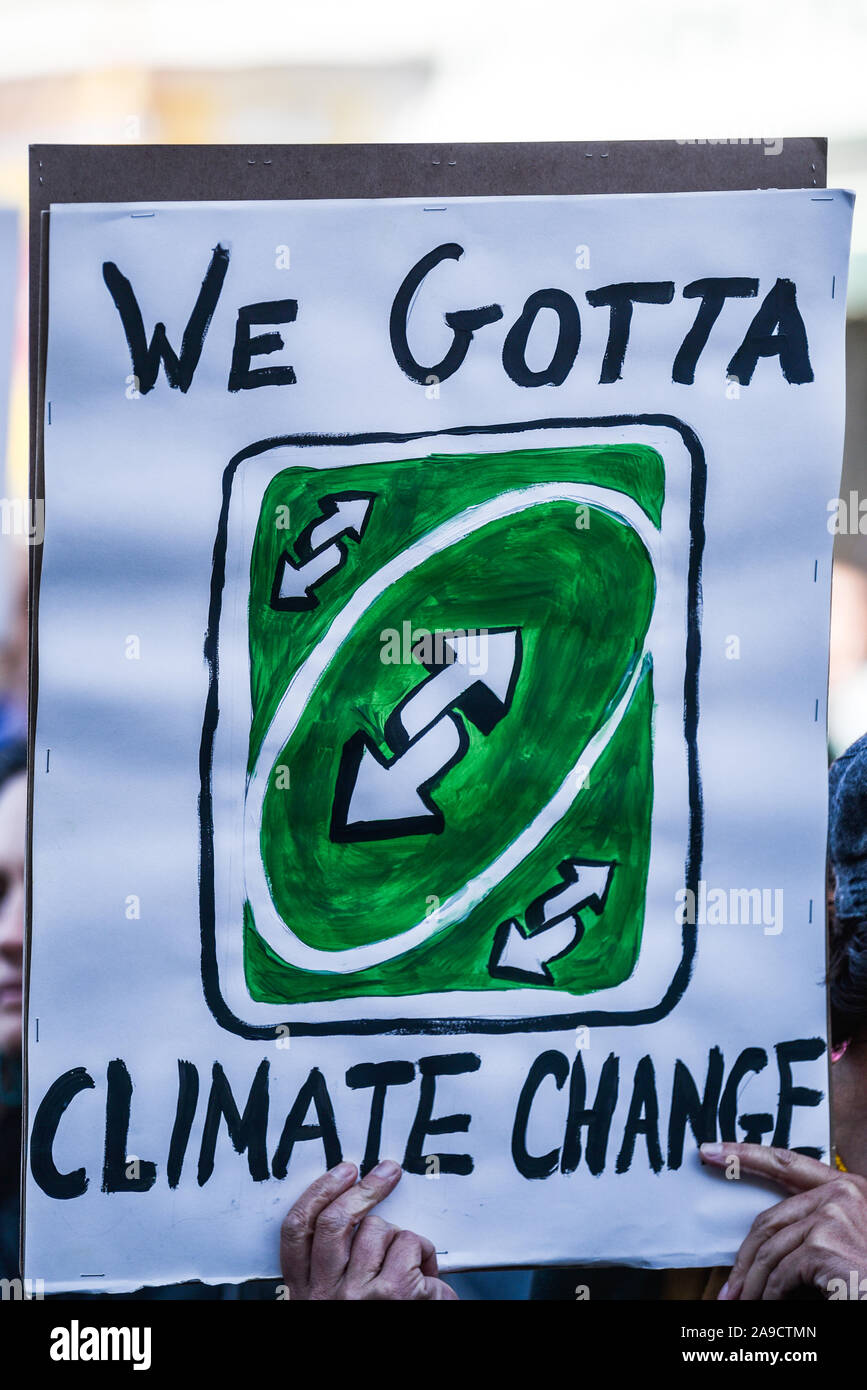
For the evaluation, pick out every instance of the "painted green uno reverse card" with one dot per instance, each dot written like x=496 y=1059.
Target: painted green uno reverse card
x=446 y=671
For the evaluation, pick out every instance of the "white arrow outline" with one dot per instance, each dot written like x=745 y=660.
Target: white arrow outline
x=269 y=924
x=524 y=953
x=318 y=559
x=382 y=799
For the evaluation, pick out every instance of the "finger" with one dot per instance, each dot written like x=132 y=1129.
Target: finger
x=335 y=1225
x=794 y=1272
x=768 y=1256
x=429 y=1267
x=409 y=1269
x=790 y=1170
x=785 y=1213
x=369 y=1247
x=401 y=1269
x=296 y=1232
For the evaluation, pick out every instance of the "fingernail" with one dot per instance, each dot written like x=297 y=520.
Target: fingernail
x=343 y=1170
x=724 y=1292
x=386 y=1169
x=712 y=1150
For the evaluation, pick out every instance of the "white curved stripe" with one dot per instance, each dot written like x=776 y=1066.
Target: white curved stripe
x=269 y=924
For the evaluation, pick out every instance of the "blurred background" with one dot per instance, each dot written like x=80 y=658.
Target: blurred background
x=154 y=71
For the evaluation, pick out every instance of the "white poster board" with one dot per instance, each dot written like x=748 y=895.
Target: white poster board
x=431 y=730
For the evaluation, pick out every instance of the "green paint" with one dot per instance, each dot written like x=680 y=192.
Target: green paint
x=583 y=600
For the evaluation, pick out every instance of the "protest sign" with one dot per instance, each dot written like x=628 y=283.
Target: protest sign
x=429 y=757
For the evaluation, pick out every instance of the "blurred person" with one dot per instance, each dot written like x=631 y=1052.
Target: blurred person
x=847 y=675
x=13 y=820
x=13 y=656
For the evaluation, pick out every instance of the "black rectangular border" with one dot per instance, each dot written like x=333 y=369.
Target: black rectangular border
x=544 y=1023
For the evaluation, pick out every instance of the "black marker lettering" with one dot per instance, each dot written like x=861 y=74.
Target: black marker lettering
x=241 y=378
x=462 y=322
x=776 y=331
x=620 y=299
x=597 y=1117
x=688 y=1108
x=146 y=357
x=801 y=1050
x=51 y=1108
x=713 y=292
x=755 y=1126
x=568 y=340
x=314 y=1090
x=115 y=1175
x=247 y=1131
x=415 y=1159
x=188 y=1098
x=379 y=1076
x=529 y=1165
x=643 y=1118
x=753 y=1059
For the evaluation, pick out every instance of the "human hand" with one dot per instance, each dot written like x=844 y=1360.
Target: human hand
x=812 y=1237
x=333 y=1245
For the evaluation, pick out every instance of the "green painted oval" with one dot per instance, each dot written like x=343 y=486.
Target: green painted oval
x=582 y=634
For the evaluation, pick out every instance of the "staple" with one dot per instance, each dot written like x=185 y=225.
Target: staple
x=37 y=1030
x=815 y=570
x=833 y=283
x=142 y=214
x=91 y=1276
x=47 y=758
x=588 y=154
x=453 y=161
x=822 y=199
x=267 y=161
x=435 y=209
x=604 y=156
x=251 y=161
x=816 y=715
x=436 y=161
x=810 y=917
x=49 y=412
